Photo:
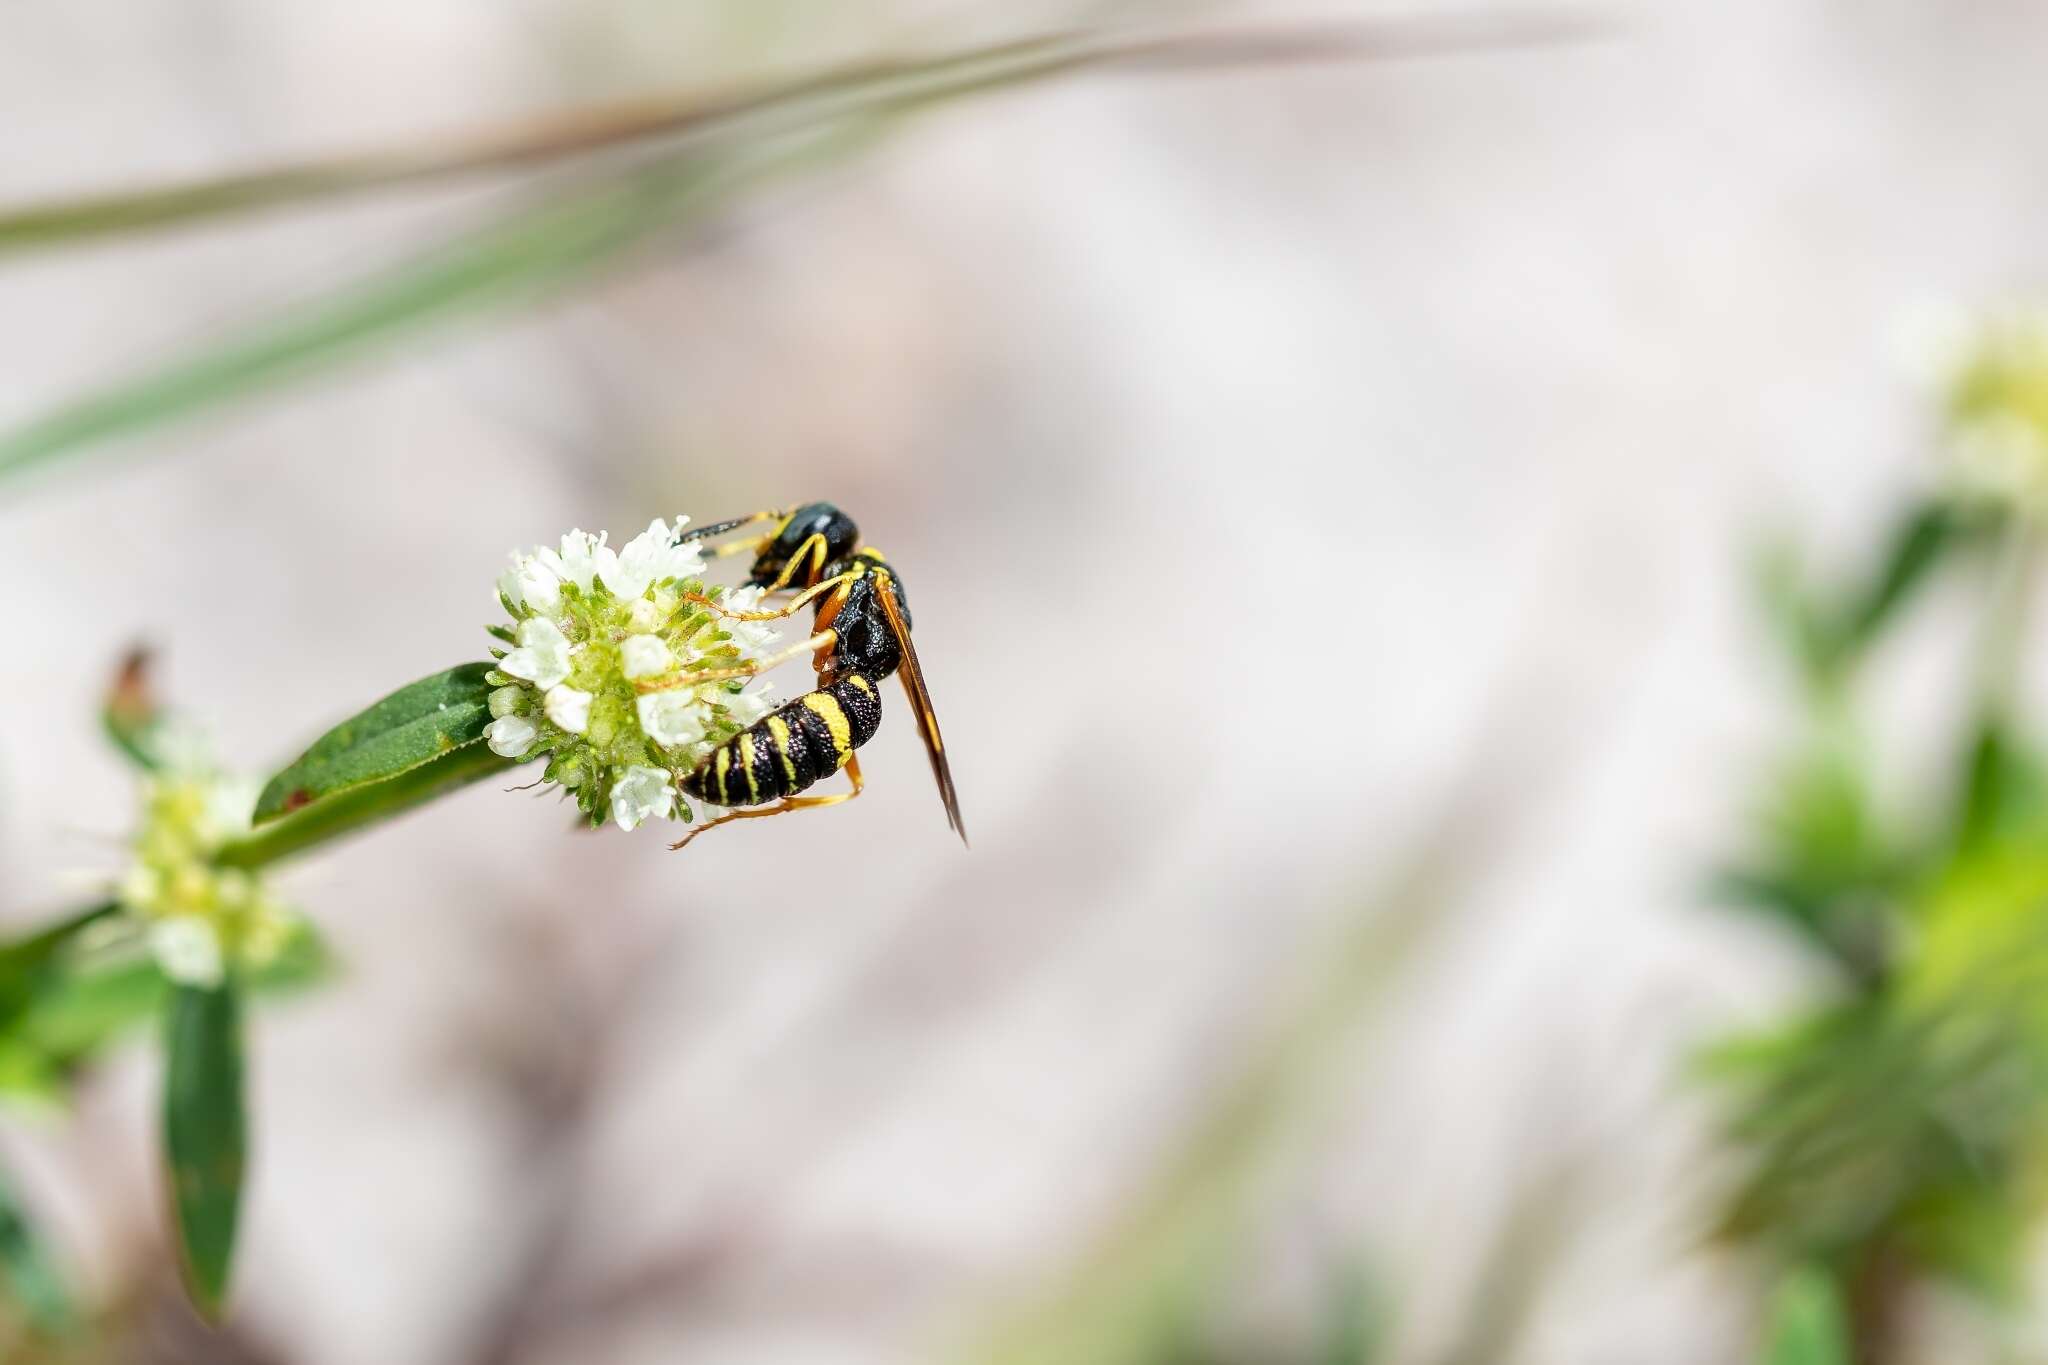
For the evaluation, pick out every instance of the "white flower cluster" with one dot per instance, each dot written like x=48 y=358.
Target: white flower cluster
x=201 y=918
x=1992 y=372
x=601 y=647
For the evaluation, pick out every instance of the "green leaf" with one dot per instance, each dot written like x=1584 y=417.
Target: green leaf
x=363 y=806
x=24 y=961
x=84 y=1004
x=414 y=725
x=205 y=1142
x=33 y=1279
x=1807 y=1325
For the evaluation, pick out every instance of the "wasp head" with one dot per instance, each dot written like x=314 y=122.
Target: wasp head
x=813 y=536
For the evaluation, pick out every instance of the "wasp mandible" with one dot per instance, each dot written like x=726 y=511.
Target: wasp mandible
x=860 y=635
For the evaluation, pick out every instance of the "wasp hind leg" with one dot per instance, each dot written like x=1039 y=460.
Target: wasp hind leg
x=786 y=805
x=824 y=639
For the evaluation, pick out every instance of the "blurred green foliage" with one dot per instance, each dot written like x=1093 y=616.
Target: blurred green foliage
x=1896 y=1130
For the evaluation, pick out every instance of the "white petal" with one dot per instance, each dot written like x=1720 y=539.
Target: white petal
x=641 y=794
x=510 y=736
x=543 y=654
x=187 y=949
x=569 y=708
x=576 y=561
x=749 y=707
x=530 y=584
x=645 y=656
x=672 y=719
x=753 y=637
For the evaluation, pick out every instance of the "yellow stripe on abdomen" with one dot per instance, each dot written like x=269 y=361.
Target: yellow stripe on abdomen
x=778 y=734
x=744 y=754
x=719 y=770
x=826 y=708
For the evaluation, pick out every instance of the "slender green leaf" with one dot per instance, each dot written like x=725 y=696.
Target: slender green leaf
x=1807 y=1325
x=417 y=724
x=363 y=806
x=33 y=1279
x=82 y=1006
x=205 y=1139
x=23 y=961
x=1922 y=539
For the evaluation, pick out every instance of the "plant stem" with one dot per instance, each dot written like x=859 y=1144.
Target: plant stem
x=341 y=815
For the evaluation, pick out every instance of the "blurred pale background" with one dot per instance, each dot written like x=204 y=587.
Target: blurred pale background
x=1271 y=455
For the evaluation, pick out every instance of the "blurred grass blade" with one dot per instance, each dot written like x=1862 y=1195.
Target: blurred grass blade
x=573 y=233
x=34 y=1282
x=779 y=105
x=327 y=820
x=1354 y=1324
x=1128 y=1301
x=520 y=259
x=205 y=1140
x=416 y=724
x=1807 y=1325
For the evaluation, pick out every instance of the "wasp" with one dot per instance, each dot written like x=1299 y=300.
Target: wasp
x=860 y=636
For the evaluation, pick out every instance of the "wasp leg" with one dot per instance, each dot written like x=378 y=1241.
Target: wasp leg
x=824 y=639
x=785 y=805
x=796 y=604
x=752 y=545
x=814 y=549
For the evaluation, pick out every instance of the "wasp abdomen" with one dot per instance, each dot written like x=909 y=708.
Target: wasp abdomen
x=791 y=747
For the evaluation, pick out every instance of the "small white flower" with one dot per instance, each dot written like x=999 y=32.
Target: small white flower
x=543 y=654
x=568 y=708
x=672 y=719
x=510 y=736
x=187 y=949
x=641 y=794
x=649 y=558
x=507 y=700
x=645 y=656
x=577 y=560
x=749 y=707
x=530 y=584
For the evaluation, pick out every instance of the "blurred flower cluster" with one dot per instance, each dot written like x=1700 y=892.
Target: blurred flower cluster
x=202 y=918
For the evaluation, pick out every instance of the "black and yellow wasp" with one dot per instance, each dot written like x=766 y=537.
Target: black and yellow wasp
x=860 y=635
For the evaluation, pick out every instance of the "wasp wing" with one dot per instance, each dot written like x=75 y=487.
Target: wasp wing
x=921 y=705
